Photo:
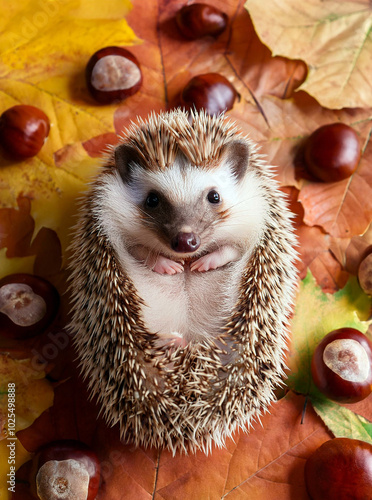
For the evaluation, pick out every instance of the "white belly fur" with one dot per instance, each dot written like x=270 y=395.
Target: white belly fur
x=193 y=305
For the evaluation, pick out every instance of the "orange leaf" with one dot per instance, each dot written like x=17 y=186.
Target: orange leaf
x=267 y=462
x=315 y=255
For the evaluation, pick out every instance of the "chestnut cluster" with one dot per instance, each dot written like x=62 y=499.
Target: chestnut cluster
x=60 y=469
x=114 y=73
x=331 y=153
x=341 y=369
x=342 y=363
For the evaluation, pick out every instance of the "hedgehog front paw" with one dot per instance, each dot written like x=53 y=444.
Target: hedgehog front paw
x=215 y=259
x=163 y=265
x=205 y=263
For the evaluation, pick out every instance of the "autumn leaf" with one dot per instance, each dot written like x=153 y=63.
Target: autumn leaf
x=317 y=257
x=333 y=38
x=341 y=421
x=353 y=253
x=33 y=395
x=44 y=48
x=265 y=463
x=169 y=61
x=35 y=234
x=316 y=314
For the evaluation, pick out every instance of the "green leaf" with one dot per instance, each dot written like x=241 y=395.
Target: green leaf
x=341 y=421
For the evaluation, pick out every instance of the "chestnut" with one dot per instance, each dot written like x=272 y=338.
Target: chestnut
x=23 y=130
x=332 y=152
x=199 y=19
x=340 y=469
x=341 y=366
x=365 y=274
x=28 y=305
x=112 y=74
x=211 y=92
x=66 y=469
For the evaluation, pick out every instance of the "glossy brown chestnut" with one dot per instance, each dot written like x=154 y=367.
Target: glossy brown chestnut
x=332 y=152
x=66 y=469
x=28 y=305
x=211 y=92
x=23 y=130
x=113 y=74
x=340 y=469
x=342 y=365
x=199 y=19
x=365 y=274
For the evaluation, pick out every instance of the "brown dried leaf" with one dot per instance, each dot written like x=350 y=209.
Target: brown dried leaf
x=17 y=228
x=334 y=38
x=315 y=255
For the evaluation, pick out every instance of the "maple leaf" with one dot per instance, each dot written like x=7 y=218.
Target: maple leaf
x=333 y=38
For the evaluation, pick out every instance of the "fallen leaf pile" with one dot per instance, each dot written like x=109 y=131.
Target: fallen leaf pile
x=295 y=67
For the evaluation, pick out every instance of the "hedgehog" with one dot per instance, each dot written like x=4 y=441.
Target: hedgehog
x=182 y=281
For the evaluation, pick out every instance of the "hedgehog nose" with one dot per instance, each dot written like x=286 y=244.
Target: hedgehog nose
x=185 y=242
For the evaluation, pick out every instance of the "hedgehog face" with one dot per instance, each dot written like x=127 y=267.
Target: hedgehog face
x=182 y=200
x=184 y=210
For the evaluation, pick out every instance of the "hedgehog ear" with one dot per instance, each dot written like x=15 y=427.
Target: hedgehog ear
x=126 y=157
x=236 y=153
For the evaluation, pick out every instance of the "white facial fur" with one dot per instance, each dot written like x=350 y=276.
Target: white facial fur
x=183 y=185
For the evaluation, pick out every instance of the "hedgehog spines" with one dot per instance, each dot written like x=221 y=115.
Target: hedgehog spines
x=184 y=399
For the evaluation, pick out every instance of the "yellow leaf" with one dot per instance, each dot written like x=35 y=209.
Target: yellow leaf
x=15 y=265
x=54 y=191
x=57 y=209
x=334 y=39
x=52 y=35
x=21 y=456
x=22 y=382
x=34 y=393
x=44 y=48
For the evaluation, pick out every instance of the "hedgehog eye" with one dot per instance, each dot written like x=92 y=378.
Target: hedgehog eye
x=152 y=200
x=213 y=197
